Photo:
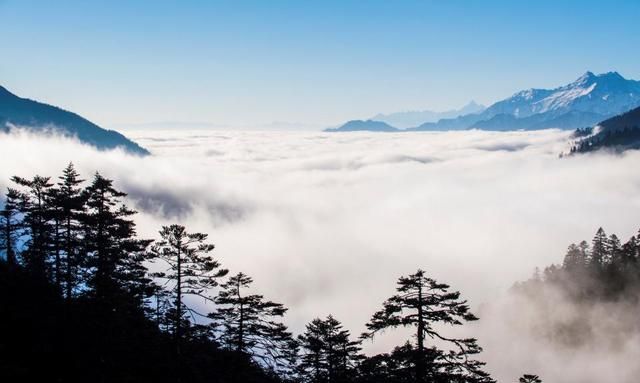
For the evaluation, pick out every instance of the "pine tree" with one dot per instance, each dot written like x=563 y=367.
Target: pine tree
x=328 y=353
x=115 y=254
x=421 y=303
x=34 y=210
x=54 y=214
x=191 y=270
x=629 y=256
x=614 y=248
x=574 y=259
x=599 y=250
x=71 y=201
x=249 y=323
x=9 y=226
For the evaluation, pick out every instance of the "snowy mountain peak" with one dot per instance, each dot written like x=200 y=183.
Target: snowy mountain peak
x=590 y=78
x=586 y=79
x=529 y=94
x=606 y=94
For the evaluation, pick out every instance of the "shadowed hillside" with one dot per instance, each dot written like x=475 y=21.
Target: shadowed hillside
x=42 y=118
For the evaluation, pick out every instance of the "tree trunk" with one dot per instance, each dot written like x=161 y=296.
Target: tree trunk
x=240 y=345
x=420 y=365
x=178 y=298
x=57 y=259
x=9 y=235
x=68 y=276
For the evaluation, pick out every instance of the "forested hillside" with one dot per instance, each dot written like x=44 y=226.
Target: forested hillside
x=618 y=133
x=591 y=301
x=83 y=298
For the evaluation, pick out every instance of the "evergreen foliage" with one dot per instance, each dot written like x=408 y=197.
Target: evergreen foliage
x=422 y=303
x=78 y=303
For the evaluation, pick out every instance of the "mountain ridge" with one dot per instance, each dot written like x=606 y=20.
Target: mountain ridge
x=581 y=103
x=364 y=126
x=617 y=133
x=39 y=117
x=586 y=101
x=412 y=118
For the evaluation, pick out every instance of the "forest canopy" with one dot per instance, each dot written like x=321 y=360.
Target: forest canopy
x=85 y=298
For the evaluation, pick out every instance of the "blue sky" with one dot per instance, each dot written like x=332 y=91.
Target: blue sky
x=242 y=63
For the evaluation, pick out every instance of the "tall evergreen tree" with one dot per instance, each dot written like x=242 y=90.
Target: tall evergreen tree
x=421 y=303
x=191 y=270
x=54 y=214
x=34 y=209
x=10 y=225
x=249 y=323
x=599 y=250
x=574 y=259
x=71 y=202
x=115 y=254
x=328 y=353
x=629 y=256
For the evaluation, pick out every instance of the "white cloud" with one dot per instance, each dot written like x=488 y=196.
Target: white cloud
x=326 y=223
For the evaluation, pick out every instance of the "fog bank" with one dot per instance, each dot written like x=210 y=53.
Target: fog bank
x=326 y=223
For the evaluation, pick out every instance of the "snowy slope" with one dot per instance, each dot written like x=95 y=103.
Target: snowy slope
x=589 y=99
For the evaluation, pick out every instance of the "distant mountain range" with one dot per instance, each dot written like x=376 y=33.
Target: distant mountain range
x=617 y=133
x=23 y=113
x=409 y=119
x=582 y=103
x=364 y=125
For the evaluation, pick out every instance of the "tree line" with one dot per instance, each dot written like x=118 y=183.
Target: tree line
x=112 y=306
x=603 y=270
x=590 y=299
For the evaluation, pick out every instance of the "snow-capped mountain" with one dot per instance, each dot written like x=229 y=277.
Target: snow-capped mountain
x=584 y=102
x=605 y=94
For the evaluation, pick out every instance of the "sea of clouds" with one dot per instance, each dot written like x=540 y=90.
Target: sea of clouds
x=326 y=223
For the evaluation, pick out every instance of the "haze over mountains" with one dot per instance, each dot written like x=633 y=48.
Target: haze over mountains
x=582 y=103
x=23 y=113
x=410 y=119
x=588 y=101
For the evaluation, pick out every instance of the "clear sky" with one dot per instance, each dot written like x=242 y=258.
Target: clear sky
x=322 y=62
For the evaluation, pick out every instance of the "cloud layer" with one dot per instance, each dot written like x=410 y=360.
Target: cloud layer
x=326 y=223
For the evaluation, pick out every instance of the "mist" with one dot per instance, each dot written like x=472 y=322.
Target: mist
x=549 y=333
x=326 y=223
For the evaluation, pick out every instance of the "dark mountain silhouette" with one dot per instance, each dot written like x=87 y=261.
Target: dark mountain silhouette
x=618 y=133
x=38 y=117
x=364 y=125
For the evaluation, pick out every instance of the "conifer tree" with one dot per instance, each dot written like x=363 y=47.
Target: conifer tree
x=10 y=225
x=54 y=214
x=34 y=210
x=421 y=303
x=191 y=270
x=115 y=254
x=599 y=249
x=328 y=353
x=71 y=202
x=249 y=323
x=396 y=366
x=574 y=259
x=628 y=256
